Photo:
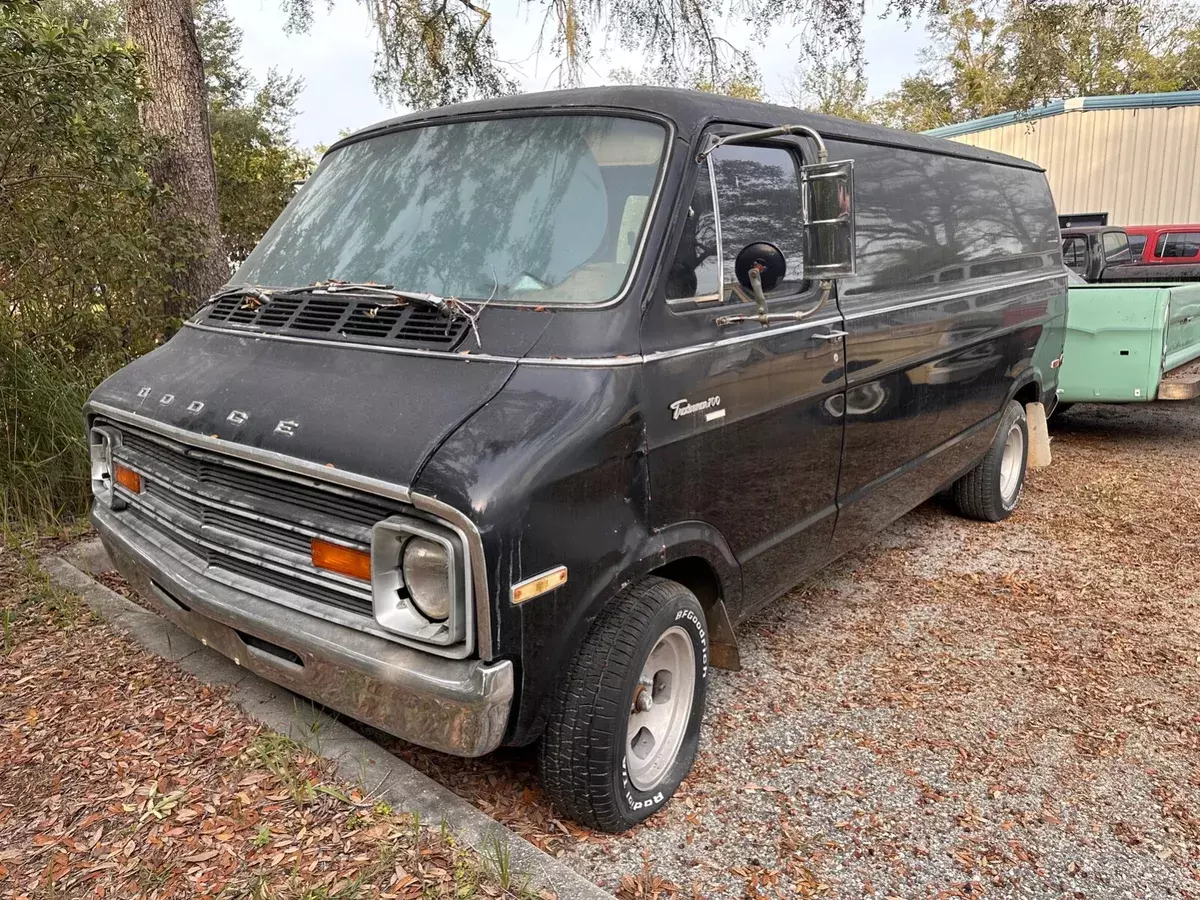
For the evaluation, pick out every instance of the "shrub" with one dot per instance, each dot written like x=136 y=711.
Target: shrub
x=82 y=274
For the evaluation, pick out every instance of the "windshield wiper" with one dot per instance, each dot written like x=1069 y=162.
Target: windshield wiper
x=450 y=307
x=441 y=304
x=261 y=294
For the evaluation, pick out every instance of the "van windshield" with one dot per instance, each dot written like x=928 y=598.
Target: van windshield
x=539 y=209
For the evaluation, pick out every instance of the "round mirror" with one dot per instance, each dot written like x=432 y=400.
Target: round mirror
x=767 y=258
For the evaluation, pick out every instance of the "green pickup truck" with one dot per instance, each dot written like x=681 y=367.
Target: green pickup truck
x=1130 y=343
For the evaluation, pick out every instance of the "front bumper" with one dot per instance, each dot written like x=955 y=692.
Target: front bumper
x=455 y=706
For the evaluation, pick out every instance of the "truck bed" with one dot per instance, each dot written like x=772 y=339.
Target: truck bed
x=1131 y=343
x=1157 y=272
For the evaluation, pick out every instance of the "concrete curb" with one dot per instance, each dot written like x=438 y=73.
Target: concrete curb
x=356 y=758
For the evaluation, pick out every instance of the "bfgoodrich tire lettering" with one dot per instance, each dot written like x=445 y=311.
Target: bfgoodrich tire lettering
x=583 y=754
x=991 y=491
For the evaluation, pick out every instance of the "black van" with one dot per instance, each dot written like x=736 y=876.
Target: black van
x=522 y=405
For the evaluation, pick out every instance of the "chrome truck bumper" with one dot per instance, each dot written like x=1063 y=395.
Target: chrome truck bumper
x=456 y=706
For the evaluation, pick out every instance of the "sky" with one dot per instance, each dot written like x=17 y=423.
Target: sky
x=336 y=58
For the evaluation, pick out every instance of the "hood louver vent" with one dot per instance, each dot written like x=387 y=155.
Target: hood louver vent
x=340 y=318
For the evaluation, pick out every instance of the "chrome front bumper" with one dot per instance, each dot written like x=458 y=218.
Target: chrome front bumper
x=455 y=706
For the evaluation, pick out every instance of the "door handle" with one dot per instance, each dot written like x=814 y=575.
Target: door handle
x=831 y=336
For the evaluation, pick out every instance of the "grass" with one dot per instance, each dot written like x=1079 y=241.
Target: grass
x=44 y=468
x=497 y=853
x=292 y=764
x=281 y=756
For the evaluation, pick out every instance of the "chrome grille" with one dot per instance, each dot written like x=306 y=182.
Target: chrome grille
x=239 y=521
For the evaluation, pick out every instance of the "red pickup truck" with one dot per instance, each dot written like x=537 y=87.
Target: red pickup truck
x=1103 y=253
x=1164 y=244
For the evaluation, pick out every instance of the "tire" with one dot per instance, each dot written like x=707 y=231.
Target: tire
x=591 y=770
x=991 y=491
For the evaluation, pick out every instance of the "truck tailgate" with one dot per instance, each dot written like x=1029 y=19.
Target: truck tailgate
x=1182 y=342
x=1112 y=352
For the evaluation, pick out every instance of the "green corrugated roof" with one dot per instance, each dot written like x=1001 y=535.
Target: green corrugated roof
x=1113 y=101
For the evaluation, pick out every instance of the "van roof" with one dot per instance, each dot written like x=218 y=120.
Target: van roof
x=691 y=111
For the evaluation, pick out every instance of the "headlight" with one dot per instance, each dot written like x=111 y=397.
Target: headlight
x=101 y=443
x=418 y=584
x=426 y=572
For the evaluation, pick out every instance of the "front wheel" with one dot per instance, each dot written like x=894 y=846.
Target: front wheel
x=990 y=492
x=624 y=721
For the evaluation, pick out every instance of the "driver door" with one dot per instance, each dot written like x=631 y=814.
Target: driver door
x=744 y=421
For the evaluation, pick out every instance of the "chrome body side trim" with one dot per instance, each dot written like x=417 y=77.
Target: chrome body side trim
x=575 y=363
x=455 y=706
x=957 y=295
x=416 y=351
x=801 y=325
x=477 y=586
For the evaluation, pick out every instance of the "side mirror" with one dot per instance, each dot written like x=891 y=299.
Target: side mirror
x=766 y=259
x=829 y=250
x=759 y=267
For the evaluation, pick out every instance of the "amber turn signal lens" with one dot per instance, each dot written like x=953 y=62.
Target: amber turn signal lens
x=344 y=560
x=539 y=584
x=128 y=479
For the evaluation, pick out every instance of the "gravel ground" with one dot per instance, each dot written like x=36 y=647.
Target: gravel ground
x=958 y=710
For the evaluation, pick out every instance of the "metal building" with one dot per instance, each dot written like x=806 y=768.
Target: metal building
x=1135 y=156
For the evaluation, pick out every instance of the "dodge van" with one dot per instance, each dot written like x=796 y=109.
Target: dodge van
x=522 y=406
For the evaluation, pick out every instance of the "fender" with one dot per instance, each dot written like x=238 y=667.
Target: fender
x=716 y=580
x=693 y=539
x=657 y=550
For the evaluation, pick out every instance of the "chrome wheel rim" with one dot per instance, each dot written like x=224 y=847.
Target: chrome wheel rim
x=1011 y=463
x=660 y=709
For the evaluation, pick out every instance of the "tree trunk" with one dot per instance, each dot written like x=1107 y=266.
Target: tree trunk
x=177 y=114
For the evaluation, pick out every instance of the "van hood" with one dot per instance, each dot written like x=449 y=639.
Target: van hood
x=375 y=413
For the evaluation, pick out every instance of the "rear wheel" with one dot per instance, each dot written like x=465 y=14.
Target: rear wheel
x=990 y=492
x=624 y=721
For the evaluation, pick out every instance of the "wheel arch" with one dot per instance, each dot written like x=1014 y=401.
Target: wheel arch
x=699 y=576
x=1026 y=388
x=696 y=556
x=693 y=554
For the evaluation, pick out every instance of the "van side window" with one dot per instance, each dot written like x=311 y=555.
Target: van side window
x=1137 y=243
x=693 y=272
x=758 y=198
x=1116 y=248
x=1075 y=253
x=1180 y=245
